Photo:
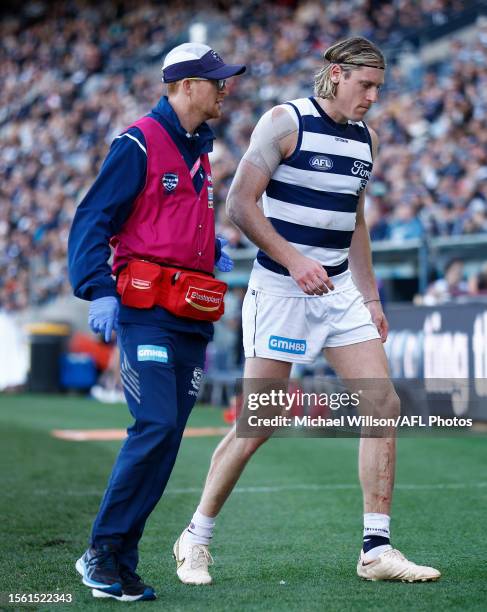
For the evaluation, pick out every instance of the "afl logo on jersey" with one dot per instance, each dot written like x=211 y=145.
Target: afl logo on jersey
x=321 y=162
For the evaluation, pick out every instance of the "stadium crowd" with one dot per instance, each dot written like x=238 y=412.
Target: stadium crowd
x=74 y=74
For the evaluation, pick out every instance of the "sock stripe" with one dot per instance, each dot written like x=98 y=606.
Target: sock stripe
x=195 y=534
x=373 y=541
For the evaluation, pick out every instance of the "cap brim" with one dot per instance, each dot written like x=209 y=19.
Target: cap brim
x=225 y=72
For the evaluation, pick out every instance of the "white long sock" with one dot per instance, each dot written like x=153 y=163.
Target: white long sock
x=200 y=529
x=376 y=524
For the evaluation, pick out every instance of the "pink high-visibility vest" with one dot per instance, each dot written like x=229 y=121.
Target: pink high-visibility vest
x=170 y=223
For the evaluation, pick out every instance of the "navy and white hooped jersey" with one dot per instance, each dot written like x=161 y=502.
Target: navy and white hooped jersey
x=312 y=197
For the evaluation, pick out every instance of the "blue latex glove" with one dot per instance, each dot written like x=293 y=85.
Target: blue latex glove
x=103 y=316
x=225 y=262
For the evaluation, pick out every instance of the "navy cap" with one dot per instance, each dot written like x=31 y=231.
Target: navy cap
x=197 y=60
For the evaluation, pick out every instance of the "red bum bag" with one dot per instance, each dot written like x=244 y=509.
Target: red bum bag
x=184 y=293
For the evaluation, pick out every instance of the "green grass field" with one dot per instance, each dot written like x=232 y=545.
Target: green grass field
x=287 y=539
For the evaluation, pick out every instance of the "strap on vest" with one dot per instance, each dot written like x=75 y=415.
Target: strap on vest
x=196 y=167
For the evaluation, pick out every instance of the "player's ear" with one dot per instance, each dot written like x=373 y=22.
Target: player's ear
x=335 y=72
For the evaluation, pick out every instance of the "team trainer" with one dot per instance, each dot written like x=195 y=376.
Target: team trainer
x=153 y=203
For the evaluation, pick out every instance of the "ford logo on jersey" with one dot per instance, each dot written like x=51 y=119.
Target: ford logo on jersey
x=170 y=181
x=287 y=345
x=361 y=169
x=321 y=162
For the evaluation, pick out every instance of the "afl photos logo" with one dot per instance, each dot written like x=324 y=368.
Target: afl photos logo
x=321 y=162
x=170 y=181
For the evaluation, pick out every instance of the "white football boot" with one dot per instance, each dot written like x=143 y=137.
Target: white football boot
x=192 y=560
x=393 y=565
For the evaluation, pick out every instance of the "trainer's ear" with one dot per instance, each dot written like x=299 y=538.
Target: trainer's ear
x=186 y=85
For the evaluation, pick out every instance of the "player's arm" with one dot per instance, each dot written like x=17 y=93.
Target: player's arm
x=360 y=257
x=274 y=138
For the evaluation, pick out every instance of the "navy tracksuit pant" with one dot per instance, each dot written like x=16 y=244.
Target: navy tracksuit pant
x=161 y=372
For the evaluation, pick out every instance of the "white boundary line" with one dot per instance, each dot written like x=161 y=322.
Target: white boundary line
x=334 y=487
x=446 y=486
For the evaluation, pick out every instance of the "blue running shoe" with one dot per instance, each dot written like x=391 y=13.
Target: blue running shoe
x=133 y=588
x=99 y=569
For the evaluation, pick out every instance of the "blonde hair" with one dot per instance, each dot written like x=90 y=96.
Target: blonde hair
x=352 y=54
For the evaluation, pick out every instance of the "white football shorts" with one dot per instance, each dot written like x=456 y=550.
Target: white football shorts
x=297 y=329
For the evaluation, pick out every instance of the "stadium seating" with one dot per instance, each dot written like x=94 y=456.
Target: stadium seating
x=73 y=75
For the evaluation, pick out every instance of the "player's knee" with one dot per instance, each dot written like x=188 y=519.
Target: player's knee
x=250 y=445
x=390 y=406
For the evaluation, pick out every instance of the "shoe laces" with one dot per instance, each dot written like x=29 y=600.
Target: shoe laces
x=396 y=554
x=200 y=557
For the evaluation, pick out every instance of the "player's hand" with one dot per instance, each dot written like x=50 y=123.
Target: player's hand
x=310 y=275
x=103 y=316
x=379 y=319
